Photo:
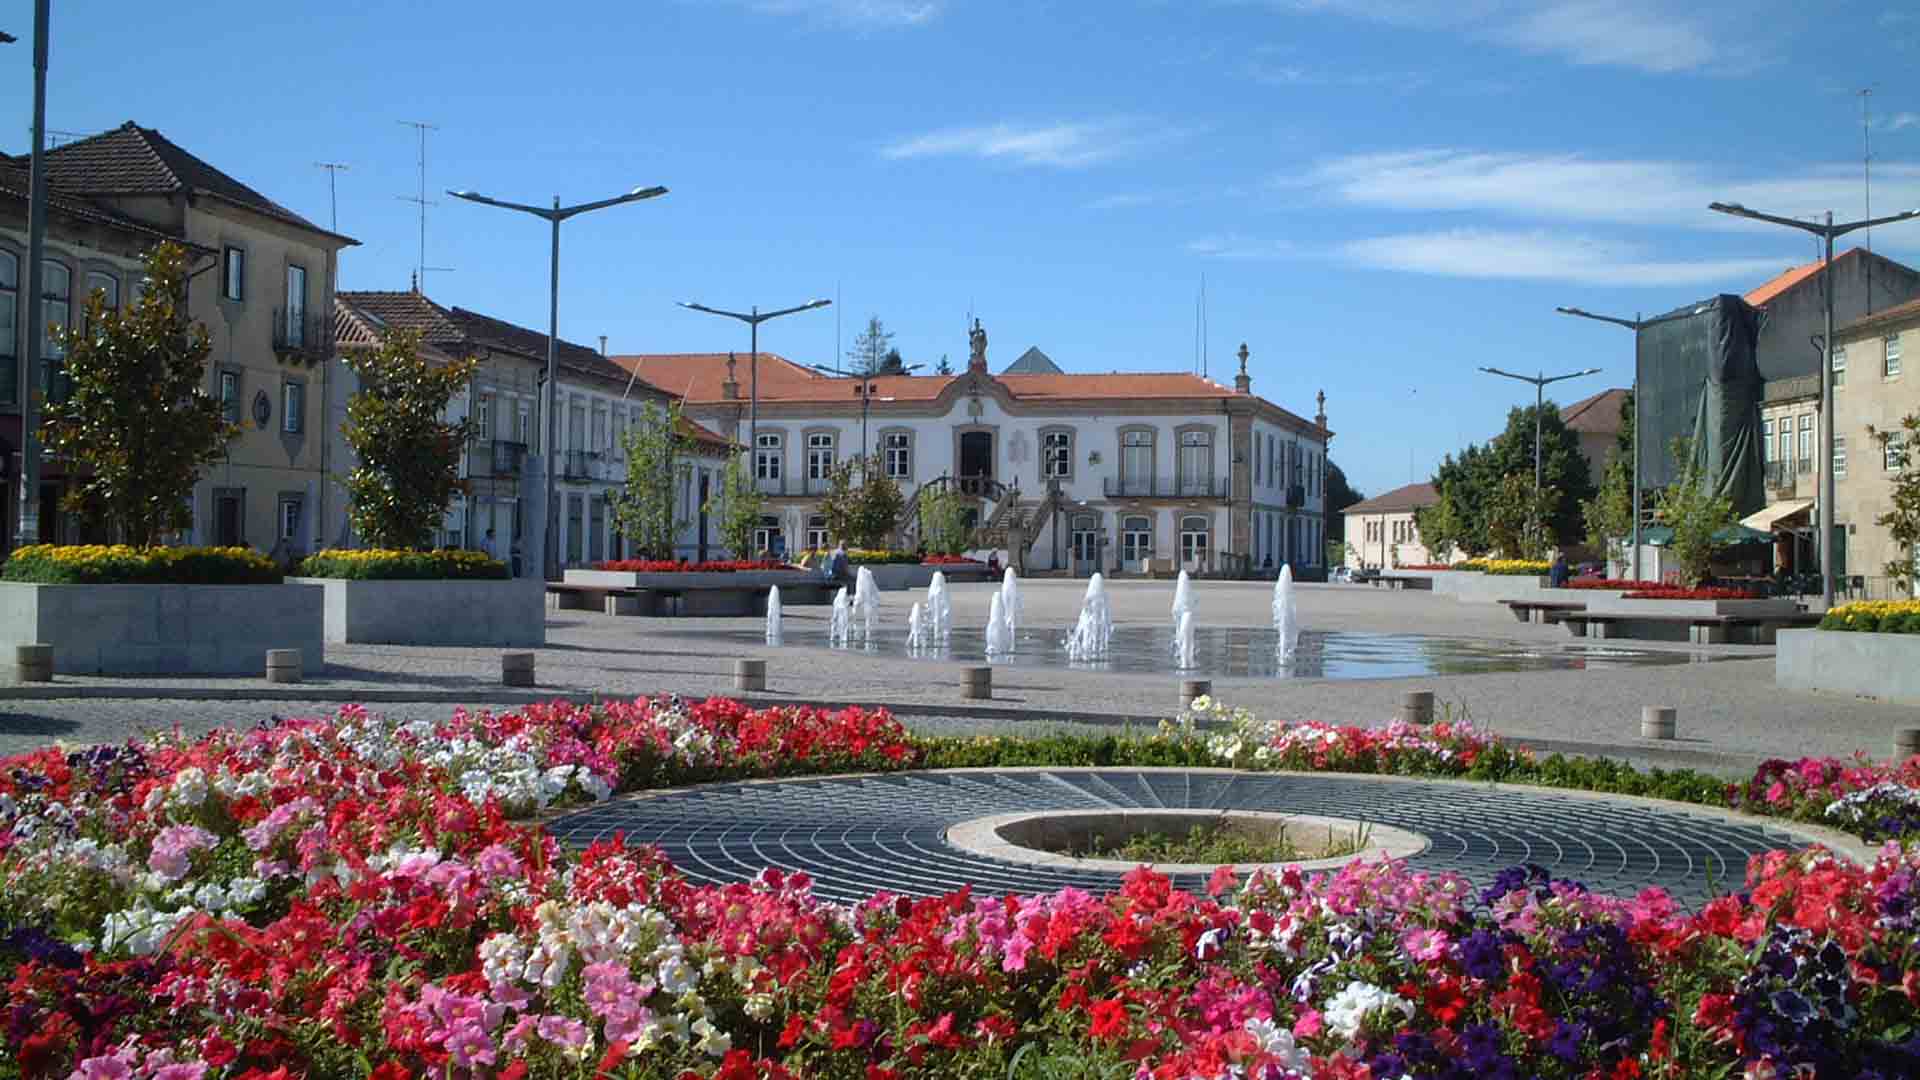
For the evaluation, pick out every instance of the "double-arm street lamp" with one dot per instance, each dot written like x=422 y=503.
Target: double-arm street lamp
x=555 y=215
x=753 y=319
x=1540 y=383
x=866 y=398
x=1826 y=230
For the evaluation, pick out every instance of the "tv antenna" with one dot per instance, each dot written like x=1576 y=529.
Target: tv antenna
x=420 y=200
x=334 y=169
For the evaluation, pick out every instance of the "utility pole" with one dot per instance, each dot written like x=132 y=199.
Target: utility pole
x=1540 y=383
x=36 y=270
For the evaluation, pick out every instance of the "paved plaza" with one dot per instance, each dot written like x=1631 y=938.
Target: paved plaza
x=1730 y=714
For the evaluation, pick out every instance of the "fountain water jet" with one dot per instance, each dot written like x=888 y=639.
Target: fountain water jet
x=1286 y=626
x=1184 y=650
x=939 y=612
x=773 y=615
x=1094 y=631
x=999 y=638
x=837 y=624
x=916 y=628
x=1182 y=605
x=866 y=601
x=1010 y=605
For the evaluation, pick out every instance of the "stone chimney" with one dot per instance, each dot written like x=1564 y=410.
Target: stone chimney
x=603 y=346
x=730 y=390
x=1320 y=418
x=1243 y=383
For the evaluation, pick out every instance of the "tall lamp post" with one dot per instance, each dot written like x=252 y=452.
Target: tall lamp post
x=554 y=216
x=1826 y=230
x=753 y=319
x=29 y=532
x=866 y=397
x=1540 y=384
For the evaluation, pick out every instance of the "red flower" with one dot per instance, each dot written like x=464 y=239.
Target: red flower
x=390 y=1070
x=1110 y=1019
x=615 y=1054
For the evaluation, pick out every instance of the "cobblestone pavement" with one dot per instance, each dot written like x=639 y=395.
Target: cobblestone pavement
x=860 y=835
x=1730 y=713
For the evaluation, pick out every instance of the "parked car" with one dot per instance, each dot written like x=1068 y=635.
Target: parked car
x=1343 y=574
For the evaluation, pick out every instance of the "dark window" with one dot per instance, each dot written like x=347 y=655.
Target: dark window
x=230 y=396
x=293 y=407
x=9 y=327
x=296 y=305
x=233 y=278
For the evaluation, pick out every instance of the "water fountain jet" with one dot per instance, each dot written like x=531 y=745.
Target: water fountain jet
x=773 y=615
x=999 y=638
x=837 y=622
x=1286 y=626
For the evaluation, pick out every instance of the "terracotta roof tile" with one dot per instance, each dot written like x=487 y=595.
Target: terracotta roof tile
x=16 y=184
x=408 y=310
x=1787 y=279
x=1896 y=313
x=1399 y=500
x=132 y=160
x=1599 y=413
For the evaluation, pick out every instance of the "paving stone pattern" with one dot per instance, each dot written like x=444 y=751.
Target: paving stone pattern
x=859 y=835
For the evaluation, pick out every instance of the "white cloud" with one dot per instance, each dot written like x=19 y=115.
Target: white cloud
x=1570 y=187
x=856 y=13
x=1900 y=120
x=1060 y=146
x=1548 y=256
x=1235 y=246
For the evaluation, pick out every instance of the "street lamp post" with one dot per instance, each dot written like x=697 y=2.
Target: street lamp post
x=554 y=216
x=1826 y=230
x=753 y=319
x=866 y=396
x=29 y=377
x=1540 y=383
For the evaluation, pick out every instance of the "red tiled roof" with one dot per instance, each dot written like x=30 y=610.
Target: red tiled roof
x=1399 y=500
x=132 y=160
x=379 y=310
x=705 y=435
x=1599 y=413
x=1908 y=310
x=15 y=184
x=1787 y=279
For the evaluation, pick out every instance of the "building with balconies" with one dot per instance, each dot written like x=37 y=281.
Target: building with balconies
x=1122 y=472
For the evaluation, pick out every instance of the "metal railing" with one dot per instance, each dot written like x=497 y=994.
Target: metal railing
x=507 y=457
x=303 y=334
x=581 y=465
x=1184 y=487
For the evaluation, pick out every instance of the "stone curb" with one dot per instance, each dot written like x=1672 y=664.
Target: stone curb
x=981 y=836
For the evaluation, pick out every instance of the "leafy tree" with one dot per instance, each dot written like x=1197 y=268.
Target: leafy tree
x=869 y=353
x=864 y=514
x=943 y=520
x=1609 y=514
x=1460 y=482
x=658 y=446
x=1518 y=516
x=1441 y=527
x=739 y=507
x=137 y=415
x=1563 y=468
x=1689 y=507
x=409 y=457
x=1340 y=495
x=1902 y=522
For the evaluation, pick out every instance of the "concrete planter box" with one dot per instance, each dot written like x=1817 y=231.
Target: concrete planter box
x=1883 y=666
x=506 y=613
x=737 y=579
x=165 y=629
x=1473 y=587
x=1611 y=605
x=892 y=577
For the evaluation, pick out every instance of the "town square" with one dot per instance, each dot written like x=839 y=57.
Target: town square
x=1151 y=542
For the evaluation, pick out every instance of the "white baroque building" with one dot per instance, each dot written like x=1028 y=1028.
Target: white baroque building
x=1124 y=472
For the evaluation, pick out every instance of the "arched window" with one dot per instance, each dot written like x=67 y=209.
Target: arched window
x=1136 y=541
x=1195 y=533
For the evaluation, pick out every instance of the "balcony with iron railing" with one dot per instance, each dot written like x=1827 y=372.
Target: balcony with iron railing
x=503 y=457
x=580 y=465
x=303 y=336
x=1164 y=487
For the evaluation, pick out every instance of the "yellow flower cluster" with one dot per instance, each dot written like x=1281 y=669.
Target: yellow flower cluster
x=1884 y=616
x=370 y=556
x=110 y=563
x=859 y=555
x=378 y=564
x=1516 y=567
x=106 y=554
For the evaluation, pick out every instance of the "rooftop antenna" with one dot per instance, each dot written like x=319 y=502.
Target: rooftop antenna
x=1203 y=325
x=421 y=268
x=333 y=199
x=1866 y=181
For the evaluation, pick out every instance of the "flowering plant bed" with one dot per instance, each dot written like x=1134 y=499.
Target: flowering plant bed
x=1672 y=592
x=352 y=896
x=1874 y=617
x=950 y=560
x=669 y=566
x=390 y=565
x=1614 y=584
x=118 y=564
x=1518 y=567
x=1426 y=566
x=866 y=556
x=1877 y=800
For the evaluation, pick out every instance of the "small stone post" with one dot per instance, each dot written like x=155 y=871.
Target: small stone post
x=284 y=666
x=1906 y=742
x=1416 y=707
x=749 y=674
x=516 y=669
x=976 y=683
x=1656 y=722
x=1193 y=688
x=33 y=663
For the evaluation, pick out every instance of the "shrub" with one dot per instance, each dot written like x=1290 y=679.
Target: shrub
x=386 y=565
x=120 y=564
x=1875 y=616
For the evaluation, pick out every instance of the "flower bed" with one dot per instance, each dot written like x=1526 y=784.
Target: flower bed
x=351 y=896
x=1877 y=800
x=1674 y=592
x=1613 y=584
x=1874 y=617
x=669 y=566
x=389 y=565
x=864 y=556
x=1518 y=567
x=118 y=564
x=1426 y=566
x=950 y=560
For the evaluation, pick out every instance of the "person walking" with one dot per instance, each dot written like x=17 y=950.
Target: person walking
x=1557 y=574
x=838 y=568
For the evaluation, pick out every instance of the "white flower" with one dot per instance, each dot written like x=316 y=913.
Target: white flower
x=713 y=1042
x=758 y=1006
x=1351 y=1006
x=676 y=976
x=1277 y=1040
x=189 y=788
x=503 y=959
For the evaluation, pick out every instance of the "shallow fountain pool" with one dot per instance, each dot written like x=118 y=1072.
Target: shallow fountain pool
x=1242 y=652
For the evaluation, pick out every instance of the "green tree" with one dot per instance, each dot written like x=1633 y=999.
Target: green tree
x=738 y=507
x=869 y=353
x=943 y=520
x=658 y=447
x=1340 y=495
x=137 y=415
x=409 y=457
x=1441 y=527
x=1518 y=517
x=1609 y=514
x=1689 y=507
x=1902 y=522
x=862 y=514
x=1564 y=469
x=1462 y=485
x=945 y=368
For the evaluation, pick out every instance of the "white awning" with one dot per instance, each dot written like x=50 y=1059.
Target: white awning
x=1774 y=513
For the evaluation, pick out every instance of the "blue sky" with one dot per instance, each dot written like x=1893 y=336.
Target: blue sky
x=1381 y=194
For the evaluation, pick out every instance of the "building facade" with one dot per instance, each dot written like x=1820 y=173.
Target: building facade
x=264 y=289
x=1872 y=394
x=1382 y=532
x=1120 y=473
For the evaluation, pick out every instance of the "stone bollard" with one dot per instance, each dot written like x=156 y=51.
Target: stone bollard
x=1906 y=742
x=33 y=663
x=516 y=669
x=284 y=666
x=1193 y=688
x=976 y=683
x=749 y=674
x=1416 y=707
x=1656 y=722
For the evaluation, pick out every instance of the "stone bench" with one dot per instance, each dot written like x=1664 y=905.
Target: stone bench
x=1700 y=629
x=1542 y=612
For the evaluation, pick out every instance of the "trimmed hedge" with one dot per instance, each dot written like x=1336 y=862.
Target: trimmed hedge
x=119 y=564
x=386 y=565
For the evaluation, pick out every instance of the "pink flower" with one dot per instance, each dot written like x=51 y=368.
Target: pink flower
x=173 y=850
x=106 y=1067
x=190 y=1070
x=1308 y=1025
x=497 y=862
x=1777 y=792
x=470 y=1045
x=1016 y=953
x=563 y=1031
x=1423 y=944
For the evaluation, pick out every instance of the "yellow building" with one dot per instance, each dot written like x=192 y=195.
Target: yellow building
x=1872 y=394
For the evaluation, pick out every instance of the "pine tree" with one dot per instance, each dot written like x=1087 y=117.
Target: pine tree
x=869 y=353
